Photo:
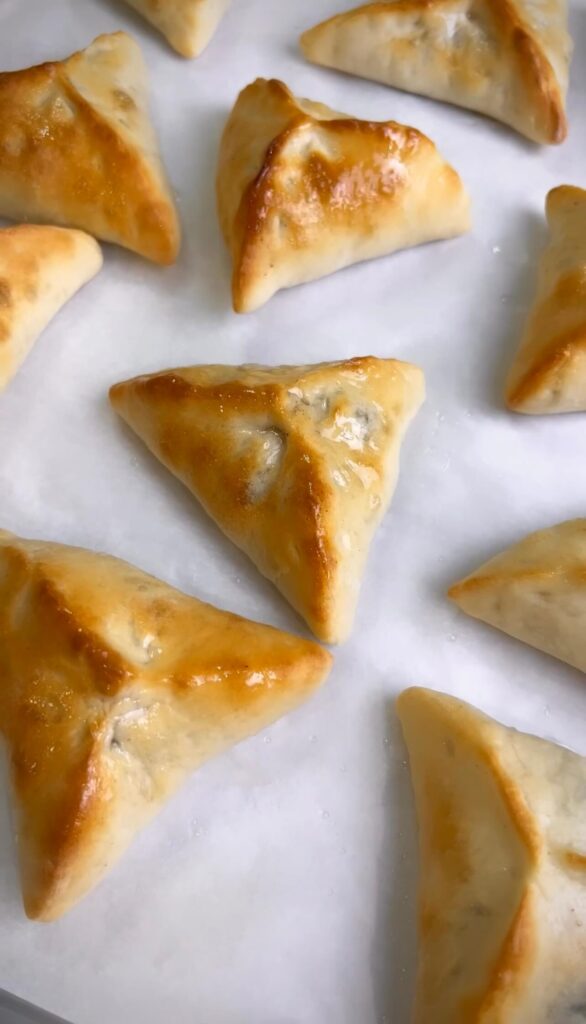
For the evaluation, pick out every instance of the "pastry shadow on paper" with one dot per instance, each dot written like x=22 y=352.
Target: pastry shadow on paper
x=200 y=281
x=577 y=25
x=9 y=881
x=393 y=951
x=528 y=235
x=204 y=262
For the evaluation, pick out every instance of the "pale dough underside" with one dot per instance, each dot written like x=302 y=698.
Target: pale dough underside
x=508 y=59
x=535 y=591
x=502 y=892
x=188 y=25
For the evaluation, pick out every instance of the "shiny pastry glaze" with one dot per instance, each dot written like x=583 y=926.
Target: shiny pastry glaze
x=114 y=687
x=77 y=148
x=304 y=190
x=296 y=464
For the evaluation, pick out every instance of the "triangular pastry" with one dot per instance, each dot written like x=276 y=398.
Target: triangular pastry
x=502 y=900
x=296 y=464
x=115 y=686
x=549 y=372
x=40 y=269
x=188 y=25
x=77 y=148
x=535 y=591
x=506 y=59
x=304 y=191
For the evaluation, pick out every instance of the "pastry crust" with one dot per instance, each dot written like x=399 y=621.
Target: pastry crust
x=535 y=591
x=296 y=464
x=549 y=372
x=188 y=25
x=40 y=269
x=77 y=148
x=508 y=59
x=115 y=686
x=304 y=191
x=502 y=900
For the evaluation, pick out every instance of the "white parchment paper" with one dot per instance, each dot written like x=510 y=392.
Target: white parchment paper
x=279 y=886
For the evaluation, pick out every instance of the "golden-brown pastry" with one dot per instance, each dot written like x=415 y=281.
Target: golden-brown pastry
x=508 y=59
x=77 y=148
x=40 y=269
x=296 y=464
x=549 y=372
x=535 y=591
x=115 y=686
x=304 y=191
x=188 y=25
x=502 y=899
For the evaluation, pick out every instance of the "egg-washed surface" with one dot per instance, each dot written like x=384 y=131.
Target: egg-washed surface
x=40 y=269
x=77 y=148
x=508 y=59
x=502 y=897
x=188 y=25
x=549 y=371
x=535 y=591
x=115 y=686
x=304 y=191
x=296 y=464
